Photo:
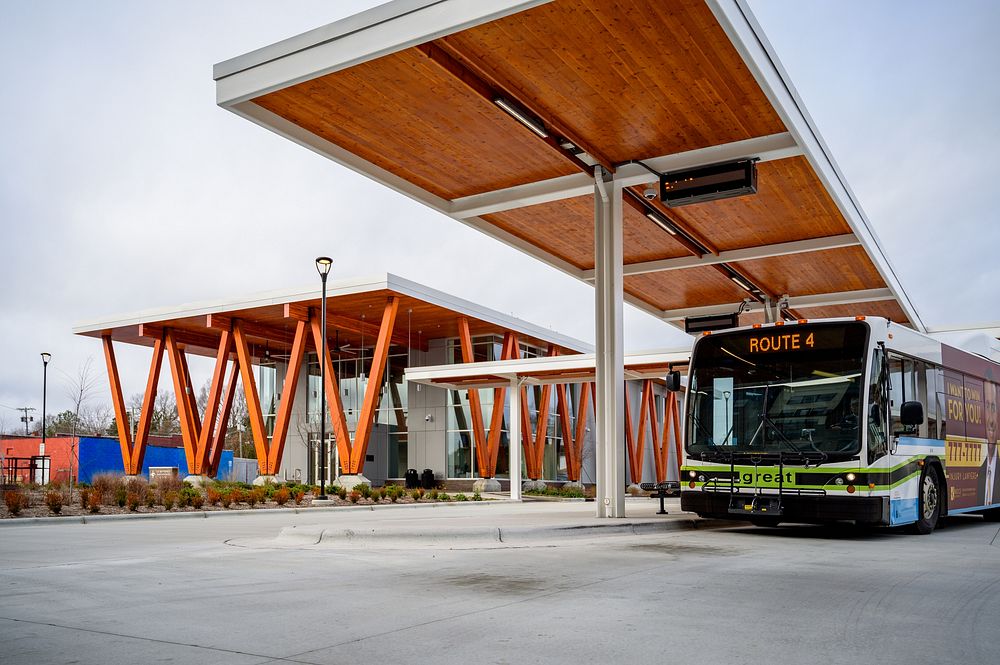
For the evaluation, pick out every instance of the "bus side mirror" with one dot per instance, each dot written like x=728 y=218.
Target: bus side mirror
x=674 y=381
x=911 y=414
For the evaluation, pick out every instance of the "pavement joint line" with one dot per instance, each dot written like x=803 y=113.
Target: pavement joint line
x=268 y=659
x=995 y=536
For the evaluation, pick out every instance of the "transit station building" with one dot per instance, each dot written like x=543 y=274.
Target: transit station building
x=378 y=330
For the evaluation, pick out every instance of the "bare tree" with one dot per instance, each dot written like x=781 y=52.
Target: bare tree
x=80 y=389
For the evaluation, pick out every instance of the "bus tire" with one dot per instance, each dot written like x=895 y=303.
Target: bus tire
x=765 y=522
x=928 y=501
x=992 y=515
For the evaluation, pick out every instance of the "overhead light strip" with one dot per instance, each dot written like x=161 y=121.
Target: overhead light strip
x=522 y=117
x=662 y=223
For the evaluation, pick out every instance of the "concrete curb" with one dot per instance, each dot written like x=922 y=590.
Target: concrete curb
x=319 y=537
x=201 y=514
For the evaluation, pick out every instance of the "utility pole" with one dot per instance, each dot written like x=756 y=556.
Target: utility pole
x=26 y=418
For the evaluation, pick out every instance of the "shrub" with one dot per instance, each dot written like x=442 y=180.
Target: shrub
x=461 y=497
x=150 y=497
x=105 y=484
x=132 y=501
x=396 y=493
x=137 y=485
x=54 y=500
x=226 y=498
x=187 y=495
x=255 y=496
x=433 y=495
x=354 y=496
x=281 y=496
x=84 y=498
x=364 y=490
x=121 y=495
x=476 y=496
x=383 y=492
x=213 y=496
x=169 y=499
x=298 y=495
x=16 y=501
x=197 y=501
x=169 y=484
x=237 y=495
x=94 y=505
x=342 y=491
x=416 y=494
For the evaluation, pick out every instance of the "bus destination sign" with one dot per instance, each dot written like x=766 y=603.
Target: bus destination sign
x=778 y=342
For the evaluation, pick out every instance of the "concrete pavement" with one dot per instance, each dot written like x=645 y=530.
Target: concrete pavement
x=228 y=591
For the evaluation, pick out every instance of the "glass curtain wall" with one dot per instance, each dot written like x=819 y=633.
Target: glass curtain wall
x=461 y=453
x=352 y=370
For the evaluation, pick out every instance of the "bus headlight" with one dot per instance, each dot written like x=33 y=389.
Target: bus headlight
x=839 y=481
x=692 y=474
x=850 y=477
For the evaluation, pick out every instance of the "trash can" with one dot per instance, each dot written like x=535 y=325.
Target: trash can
x=412 y=479
x=427 y=479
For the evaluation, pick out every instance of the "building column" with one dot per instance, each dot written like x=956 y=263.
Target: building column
x=610 y=360
x=514 y=436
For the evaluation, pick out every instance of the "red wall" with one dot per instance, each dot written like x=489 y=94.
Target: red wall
x=56 y=447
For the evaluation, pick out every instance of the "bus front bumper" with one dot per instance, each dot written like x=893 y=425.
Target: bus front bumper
x=794 y=508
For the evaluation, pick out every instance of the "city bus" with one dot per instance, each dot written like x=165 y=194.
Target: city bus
x=855 y=419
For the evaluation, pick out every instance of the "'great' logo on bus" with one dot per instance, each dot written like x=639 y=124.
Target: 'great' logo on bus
x=785 y=342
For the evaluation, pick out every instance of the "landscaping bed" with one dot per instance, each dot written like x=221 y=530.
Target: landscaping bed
x=110 y=494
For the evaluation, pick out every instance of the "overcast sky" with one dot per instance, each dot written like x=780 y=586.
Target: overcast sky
x=123 y=186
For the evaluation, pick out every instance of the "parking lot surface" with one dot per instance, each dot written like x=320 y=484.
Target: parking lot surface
x=258 y=588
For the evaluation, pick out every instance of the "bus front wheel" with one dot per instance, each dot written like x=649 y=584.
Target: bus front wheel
x=928 y=501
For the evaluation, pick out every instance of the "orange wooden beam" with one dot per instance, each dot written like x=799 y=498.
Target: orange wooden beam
x=189 y=392
x=146 y=415
x=475 y=405
x=284 y=415
x=562 y=408
x=367 y=416
x=188 y=434
x=675 y=420
x=334 y=404
x=587 y=393
x=208 y=425
x=496 y=418
x=121 y=415
x=659 y=467
x=629 y=435
x=225 y=411
x=253 y=400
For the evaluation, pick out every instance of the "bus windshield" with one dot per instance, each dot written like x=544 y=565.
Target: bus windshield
x=793 y=389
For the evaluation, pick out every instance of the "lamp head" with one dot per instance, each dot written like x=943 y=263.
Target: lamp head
x=323 y=265
x=45 y=358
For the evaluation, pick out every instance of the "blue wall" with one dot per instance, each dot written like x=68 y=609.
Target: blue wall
x=104 y=455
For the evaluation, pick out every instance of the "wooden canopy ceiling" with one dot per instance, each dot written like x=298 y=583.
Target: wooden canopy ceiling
x=353 y=320
x=673 y=84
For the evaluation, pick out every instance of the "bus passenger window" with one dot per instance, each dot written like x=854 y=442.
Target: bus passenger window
x=877 y=442
x=930 y=401
x=896 y=392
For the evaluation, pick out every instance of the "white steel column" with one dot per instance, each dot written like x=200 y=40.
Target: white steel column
x=514 y=436
x=610 y=361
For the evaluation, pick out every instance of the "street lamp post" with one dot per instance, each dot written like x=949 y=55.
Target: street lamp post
x=45 y=381
x=323 y=265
